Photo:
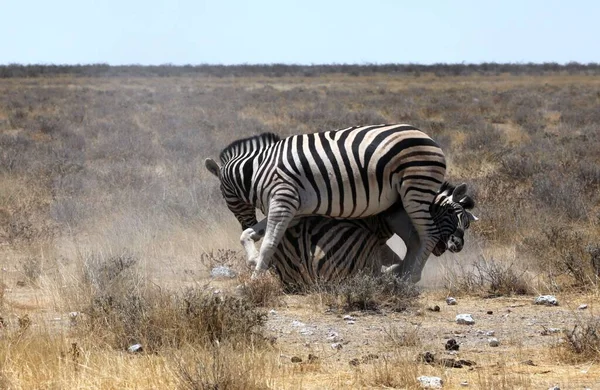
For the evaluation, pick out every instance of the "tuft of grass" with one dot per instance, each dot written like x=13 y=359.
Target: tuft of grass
x=487 y=277
x=365 y=291
x=123 y=309
x=264 y=291
x=582 y=343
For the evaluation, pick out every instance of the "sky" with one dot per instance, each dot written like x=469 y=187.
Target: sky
x=149 y=32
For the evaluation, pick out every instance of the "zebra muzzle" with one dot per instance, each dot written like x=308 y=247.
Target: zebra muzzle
x=455 y=244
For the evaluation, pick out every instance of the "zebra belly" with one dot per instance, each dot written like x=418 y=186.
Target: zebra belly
x=347 y=203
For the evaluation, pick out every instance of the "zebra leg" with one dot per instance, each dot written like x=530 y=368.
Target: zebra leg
x=420 y=245
x=401 y=225
x=248 y=239
x=280 y=215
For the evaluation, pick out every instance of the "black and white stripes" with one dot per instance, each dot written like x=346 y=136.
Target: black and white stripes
x=349 y=173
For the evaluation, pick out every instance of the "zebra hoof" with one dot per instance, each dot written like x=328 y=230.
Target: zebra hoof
x=251 y=262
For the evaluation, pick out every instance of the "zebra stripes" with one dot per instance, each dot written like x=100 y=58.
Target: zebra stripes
x=321 y=249
x=349 y=173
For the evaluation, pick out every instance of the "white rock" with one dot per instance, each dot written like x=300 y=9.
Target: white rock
x=430 y=382
x=490 y=333
x=349 y=318
x=451 y=301
x=465 y=319
x=334 y=336
x=493 y=342
x=298 y=323
x=548 y=300
x=582 y=307
x=337 y=346
x=222 y=272
x=350 y=322
x=464 y=383
x=272 y=312
x=135 y=348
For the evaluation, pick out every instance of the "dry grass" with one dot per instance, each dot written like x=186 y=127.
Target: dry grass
x=106 y=209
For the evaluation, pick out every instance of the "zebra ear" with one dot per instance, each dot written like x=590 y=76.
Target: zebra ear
x=213 y=167
x=471 y=217
x=459 y=192
x=467 y=202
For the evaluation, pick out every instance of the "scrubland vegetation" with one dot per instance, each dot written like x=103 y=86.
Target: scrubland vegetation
x=106 y=211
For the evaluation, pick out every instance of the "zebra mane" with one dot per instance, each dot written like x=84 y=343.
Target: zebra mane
x=247 y=145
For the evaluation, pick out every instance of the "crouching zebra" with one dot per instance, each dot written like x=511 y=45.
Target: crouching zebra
x=319 y=249
x=348 y=173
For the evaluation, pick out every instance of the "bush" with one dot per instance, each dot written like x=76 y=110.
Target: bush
x=367 y=292
x=489 y=277
x=123 y=310
x=582 y=343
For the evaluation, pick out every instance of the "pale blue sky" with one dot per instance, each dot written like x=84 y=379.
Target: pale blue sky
x=301 y=32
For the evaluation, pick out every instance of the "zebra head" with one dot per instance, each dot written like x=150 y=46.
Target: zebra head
x=450 y=212
x=235 y=175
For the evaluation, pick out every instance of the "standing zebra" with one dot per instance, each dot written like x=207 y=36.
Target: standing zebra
x=349 y=173
x=319 y=249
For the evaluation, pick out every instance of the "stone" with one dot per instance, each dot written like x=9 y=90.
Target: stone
x=465 y=319
x=451 y=345
x=451 y=301
x=547 y=300
x=135 y=348
x=430 y=382
x=222 y=272
x=296 y=359
x=336 y=346
x=493 y=342
x=582 y=307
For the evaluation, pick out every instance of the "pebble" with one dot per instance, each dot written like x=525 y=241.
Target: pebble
x=296 y=359
x=337 y=346
x=334 y=336
x=451 y=301
x=272 y=312
x=430 y=382
x=135 y=348
x=222 y=272
x=493 y=342
x=349 y=318
x=582 y=307
x=465 y=319
x=548 y=300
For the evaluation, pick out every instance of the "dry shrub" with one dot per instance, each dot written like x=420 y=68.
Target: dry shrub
x=263 y=291
x=220 y=368
x=122 y=309
x=364 y=291
x=582 y=343
x=487 y=277
x=404 y=337
x=566 y=254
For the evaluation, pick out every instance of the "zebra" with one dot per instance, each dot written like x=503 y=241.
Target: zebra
x=355 y=172
x=319 y=249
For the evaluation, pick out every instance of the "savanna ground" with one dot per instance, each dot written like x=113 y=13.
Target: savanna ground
x=106 y=210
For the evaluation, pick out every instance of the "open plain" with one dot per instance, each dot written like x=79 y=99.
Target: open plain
x=110 y=225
